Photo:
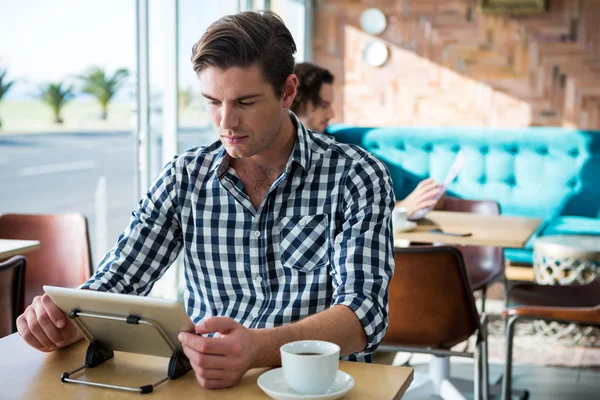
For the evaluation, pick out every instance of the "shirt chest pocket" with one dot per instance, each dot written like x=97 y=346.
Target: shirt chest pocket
x=304 y=242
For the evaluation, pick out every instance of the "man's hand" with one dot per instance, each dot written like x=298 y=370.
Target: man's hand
x=222 y=360
x=423 y=196
x=45 y=327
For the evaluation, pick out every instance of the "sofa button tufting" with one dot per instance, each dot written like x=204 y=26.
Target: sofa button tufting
x=542 y=151
x=455 y=148
x=482 y=179
x=401 y=146
x=574 y=152
x=572 y=183
x=428 y=147
x=511 y=181
x=484 y=150
x=512 y=150
x=373 y=146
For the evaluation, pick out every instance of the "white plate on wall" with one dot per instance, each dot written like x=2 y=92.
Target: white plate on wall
x=376 y=53
x=373 y=21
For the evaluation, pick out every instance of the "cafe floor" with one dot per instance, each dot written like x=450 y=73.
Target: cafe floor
x=547 y=382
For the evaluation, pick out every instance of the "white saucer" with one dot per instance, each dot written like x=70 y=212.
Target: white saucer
x=273 y=384
x=407 y=226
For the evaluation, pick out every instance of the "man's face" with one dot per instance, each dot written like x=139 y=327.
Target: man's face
x=317 y=117
x=244 y=108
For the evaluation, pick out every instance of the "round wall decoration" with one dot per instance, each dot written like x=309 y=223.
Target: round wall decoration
x=373 y=21
x=376 y=53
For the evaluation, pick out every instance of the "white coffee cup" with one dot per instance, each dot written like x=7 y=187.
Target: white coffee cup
x=310 y=366
x=399 y=217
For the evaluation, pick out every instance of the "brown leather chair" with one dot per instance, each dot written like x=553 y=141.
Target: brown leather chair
x=484 y=263
x=431 y=309
x=575 y=304
x=12 y=278
x=64 y=257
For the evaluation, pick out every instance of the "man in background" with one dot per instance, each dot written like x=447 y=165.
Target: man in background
x=313 y=105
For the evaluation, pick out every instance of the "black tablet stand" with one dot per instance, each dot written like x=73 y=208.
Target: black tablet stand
x=96 y=353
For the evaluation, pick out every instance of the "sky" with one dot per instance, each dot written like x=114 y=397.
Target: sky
x=45 y=41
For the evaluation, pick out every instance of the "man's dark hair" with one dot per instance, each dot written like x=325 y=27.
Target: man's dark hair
x=246 y=38
x=310 y=79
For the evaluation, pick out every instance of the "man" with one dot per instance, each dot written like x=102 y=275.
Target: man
x=313 y=105
x=286 y=234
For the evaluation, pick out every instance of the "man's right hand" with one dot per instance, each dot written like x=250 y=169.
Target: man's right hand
x=422 y=197
x=45 y=327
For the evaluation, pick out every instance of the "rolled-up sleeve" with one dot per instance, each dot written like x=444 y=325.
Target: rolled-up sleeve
x=363 y=259
x=148 y=246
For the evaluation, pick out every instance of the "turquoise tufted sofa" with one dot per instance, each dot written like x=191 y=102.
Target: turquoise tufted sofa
x=549 y=173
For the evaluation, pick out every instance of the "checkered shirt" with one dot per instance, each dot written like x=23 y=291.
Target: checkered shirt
x=321 y=237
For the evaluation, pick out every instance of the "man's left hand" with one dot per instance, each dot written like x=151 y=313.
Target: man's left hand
x=222 y=360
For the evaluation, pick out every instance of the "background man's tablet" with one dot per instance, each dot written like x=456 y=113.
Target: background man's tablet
x=120 y=336
x=458 y=163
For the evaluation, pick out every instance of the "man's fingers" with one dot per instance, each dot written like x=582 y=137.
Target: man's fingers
x=45 y=322
x=216 y=324
x=26 y=334
x=207 y=373
x=209 y=361
x=428 y=203
x=213 y=383
x=215 y=345
x=55 y=313
x=427 y=182
x=37 y=331
x=429 y=194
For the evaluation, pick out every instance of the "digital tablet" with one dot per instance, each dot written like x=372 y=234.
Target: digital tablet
x=121 y=336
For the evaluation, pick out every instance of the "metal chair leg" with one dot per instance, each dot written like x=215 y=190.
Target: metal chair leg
x=484 y=358
x=477 y=373
x=483 y=295
x=507 y=379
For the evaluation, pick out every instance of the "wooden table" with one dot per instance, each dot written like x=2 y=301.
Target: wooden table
x=9 y=248
x=26 y=373
x=486 y=230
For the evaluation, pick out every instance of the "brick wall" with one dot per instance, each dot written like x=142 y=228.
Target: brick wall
x=449 y=65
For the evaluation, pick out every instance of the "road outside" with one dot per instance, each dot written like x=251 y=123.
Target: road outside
x=59 y=173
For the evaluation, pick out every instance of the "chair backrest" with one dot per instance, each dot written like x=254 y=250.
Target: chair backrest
x=482 y=207
x=430 y=300
x=12 y=278
x=64 y=257
x=483 y=262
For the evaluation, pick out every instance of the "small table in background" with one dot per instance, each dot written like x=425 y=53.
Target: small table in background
x=485 y=230
x=9 y=248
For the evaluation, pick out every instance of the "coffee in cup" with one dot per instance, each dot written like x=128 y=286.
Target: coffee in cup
x=310 y=366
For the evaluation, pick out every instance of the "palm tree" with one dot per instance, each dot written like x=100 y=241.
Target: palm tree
x=102 y=87
x=5 y=86
x=56 y=96
x=185 y=98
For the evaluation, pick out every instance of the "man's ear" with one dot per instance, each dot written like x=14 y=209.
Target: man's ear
x=289 y=90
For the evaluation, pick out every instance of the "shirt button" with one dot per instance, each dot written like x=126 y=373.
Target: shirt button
x=255 y=315
x=302 y=222
x=258 y=279
x=256 y=233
